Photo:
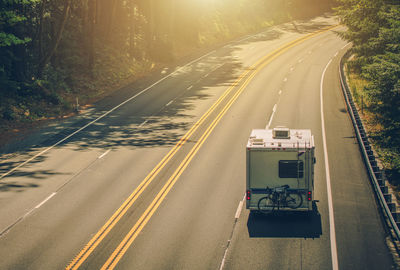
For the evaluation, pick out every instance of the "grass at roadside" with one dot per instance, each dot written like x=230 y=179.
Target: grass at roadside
x=388 y=156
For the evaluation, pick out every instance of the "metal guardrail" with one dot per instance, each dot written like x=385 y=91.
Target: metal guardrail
x=376 y=175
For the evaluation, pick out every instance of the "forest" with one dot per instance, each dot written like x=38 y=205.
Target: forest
x=374 y=72
x=54 y=51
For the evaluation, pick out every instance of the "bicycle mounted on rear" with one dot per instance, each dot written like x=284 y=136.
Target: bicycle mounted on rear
x=279 y=197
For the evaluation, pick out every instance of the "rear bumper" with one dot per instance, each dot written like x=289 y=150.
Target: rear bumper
x=285 y=209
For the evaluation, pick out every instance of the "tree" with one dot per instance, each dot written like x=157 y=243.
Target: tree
x=374 y=29
x=56 y=38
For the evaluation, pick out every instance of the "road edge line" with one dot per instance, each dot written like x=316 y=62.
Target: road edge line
x=332 y=233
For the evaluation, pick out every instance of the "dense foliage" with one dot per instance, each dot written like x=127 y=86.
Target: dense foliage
x=374 y=30
x=54 y=50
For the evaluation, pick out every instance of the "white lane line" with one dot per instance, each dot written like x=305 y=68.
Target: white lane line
x=190 y=87
x=240 y=206
x=285 y=79
x=8 y=228
x=103 y=115
x=336 y=54
x=300 y=60
x=193 y=61
x=142 y=124
x=104 y=154
x=237 y=215
x=280 y=92
x=169 y=103
x=214 y=69
x=223 y=259
x=345 y=46
x=272 y=116
x=335 y=263
x=45 y=200
x=246 y=38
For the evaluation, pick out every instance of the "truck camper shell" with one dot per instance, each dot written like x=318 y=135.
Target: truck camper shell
x=278 y=157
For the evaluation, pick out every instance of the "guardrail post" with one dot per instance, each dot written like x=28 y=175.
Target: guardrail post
x=392 y=207
x=388 y=197
x=373 y=163
x=379 y=178
x=384 y=189
x=396 y=216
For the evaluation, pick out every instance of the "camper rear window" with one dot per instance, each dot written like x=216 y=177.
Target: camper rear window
x=291 y=169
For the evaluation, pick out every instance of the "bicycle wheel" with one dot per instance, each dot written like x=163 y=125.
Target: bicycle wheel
x=294 y=200
x=266 y=204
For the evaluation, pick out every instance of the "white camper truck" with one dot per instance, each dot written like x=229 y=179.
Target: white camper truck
x=280 y=170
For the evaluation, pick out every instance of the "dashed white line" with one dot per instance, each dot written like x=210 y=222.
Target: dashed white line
x=104 y=154
x=243 y=39
x=240 y=206
x=335 y=263
x=169 y=103
x=345 y=46
x=224 y=259
x=280 y=92
x=336 y=54
x=142 y=124
x=272 y=116
x=285 y=79
x=237 y=215
x=45 y=200
x=190 y=87
x=103 y=115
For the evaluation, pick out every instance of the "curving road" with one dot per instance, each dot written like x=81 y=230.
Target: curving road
x=154 y=176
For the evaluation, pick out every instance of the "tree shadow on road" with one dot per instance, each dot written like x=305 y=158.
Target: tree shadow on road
x=145 y=124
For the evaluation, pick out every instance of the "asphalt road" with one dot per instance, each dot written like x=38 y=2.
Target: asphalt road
x=156 y=183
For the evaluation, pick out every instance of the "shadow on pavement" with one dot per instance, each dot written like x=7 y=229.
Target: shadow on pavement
x=288 y=225
x=148 y=121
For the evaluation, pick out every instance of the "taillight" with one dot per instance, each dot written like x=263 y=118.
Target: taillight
x=248 y=195
x=309 y=195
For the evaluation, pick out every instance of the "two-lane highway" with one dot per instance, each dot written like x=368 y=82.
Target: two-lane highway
x=157 y=182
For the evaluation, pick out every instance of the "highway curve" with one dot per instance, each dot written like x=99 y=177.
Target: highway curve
x=154 y=176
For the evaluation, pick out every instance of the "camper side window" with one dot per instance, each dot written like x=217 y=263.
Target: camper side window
x=291 y=169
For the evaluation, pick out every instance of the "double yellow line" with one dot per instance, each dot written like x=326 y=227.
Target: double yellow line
x=145 y=217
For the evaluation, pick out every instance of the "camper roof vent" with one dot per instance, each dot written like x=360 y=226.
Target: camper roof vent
x=281 y=133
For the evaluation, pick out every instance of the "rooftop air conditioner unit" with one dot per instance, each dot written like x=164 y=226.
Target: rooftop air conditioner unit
x=281 y=133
